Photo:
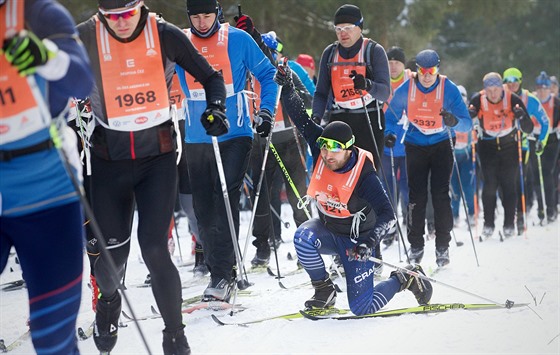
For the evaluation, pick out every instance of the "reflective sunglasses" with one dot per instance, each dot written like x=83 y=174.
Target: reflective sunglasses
x=333 y=145
x=431 y=71
x=348 y=28
x=125 y=14
x=511 y=79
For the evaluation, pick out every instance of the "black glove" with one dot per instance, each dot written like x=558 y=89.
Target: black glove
x=264 y=123
x=360 y=81
x=448 y=118
x=539 y=148
x=244 y=23
x=518 y=113
x=26 y=52
x=214 y=120
x=283 y=76
x=473 y=112
x=361 y=252
x=390 y=140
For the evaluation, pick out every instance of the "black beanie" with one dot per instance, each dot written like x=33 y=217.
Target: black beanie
x=195 y=7
x=396 y=53
x=339 y=131
x=116 y=4
x=349 y=14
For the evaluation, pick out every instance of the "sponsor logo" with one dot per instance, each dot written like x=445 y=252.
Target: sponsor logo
x=130 y=63
x=364 y=275
x=4 y=129
x=141 y=120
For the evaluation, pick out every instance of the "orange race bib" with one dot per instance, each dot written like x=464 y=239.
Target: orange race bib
x=21 y=102
x=134 y=87
x=424 y=109
x=497 y=118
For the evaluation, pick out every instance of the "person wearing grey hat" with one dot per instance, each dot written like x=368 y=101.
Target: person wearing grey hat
x=430 y=109
x=496 y=115
x=133 y=161
x=551 y=105
x=353 y=82
x=354 y=215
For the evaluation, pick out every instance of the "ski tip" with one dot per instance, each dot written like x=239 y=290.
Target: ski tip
x=289 y=256
x=270 y=272
x=282 y=285
x=217 y=320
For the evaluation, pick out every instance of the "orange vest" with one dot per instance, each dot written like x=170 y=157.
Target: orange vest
x=23 y=110
x=278 y=118
x=395 y=84
x=215 y=51
x=176 y=96
x=331 y=190
x=134 y=87
x=343 y=85
x=424 y=108
x=461 y=140
x=496 y=119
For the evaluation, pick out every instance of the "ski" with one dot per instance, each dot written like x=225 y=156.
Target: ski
x=16 y=343
x=14 y=285
x=289 y=316
x=289 y=273
x=213 y=306
x=431 y=308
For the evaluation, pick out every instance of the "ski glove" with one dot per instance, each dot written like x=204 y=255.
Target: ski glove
x=448 y=118
x=390 y=140
x=361 y=252
x=477 y=128
x=283 y=76
x=214 y=120
x=360 y=81
x=244 y=23
x=264 y=123
x=539 y=148
x=519 y=113
x=26 y=52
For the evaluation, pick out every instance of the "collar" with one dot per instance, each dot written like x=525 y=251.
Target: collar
x=350 y=163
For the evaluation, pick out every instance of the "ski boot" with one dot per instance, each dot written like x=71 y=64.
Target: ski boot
x=422 y=289
x=175 y=342
x=106 y=322
x=325 y=294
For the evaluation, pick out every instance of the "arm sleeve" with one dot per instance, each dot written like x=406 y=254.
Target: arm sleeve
x=381 y=87
x=179 y=49
x=40 y=20
x=453 y=102
x=371 y=190
x=302 y=90
x=535 y=108
x=525 y=123
x=323 y=87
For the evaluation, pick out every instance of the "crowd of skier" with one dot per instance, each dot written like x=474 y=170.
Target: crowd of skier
x=172 y=121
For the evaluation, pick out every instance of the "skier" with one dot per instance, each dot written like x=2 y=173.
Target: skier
x=40 y=59
x=432 y=109
x=498 y=112
x=133 y=54
x=354 y=215
x=551 y=104
x=234 y=53
x=533 y=146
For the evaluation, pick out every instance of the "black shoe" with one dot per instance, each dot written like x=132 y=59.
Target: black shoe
x=442 y=256
x=422 y=289
x=552 y=217
x=106 y=322
x=325 y=294
x=262 y=256
x=218 y=289
x=200 y=269
x=416 y=255
x=175 y=343
x=509 y=231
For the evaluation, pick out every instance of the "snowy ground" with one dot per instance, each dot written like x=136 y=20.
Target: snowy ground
x=518 y=269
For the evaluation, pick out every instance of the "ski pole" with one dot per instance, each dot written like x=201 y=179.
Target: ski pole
x=395 y=197
x=456 y=166
x=541 y=180
x=475 y=183
x=521 y=178
x=57 y=140
x=382 y=170
x=506 y=304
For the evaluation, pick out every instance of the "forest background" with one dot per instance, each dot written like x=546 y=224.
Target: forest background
x=472 y=37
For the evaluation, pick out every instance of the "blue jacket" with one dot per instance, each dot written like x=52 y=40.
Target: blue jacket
x=535 y=109
x=302 y=73
x=244 y=56
x=452 y=102
x=38 y=181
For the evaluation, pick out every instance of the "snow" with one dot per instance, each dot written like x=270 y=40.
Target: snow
x=525 y=270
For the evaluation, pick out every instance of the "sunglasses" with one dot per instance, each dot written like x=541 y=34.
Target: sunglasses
x=125 y=14
x=333 y=145
x=511 y=79
x=431 y=71
x=348 y=28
